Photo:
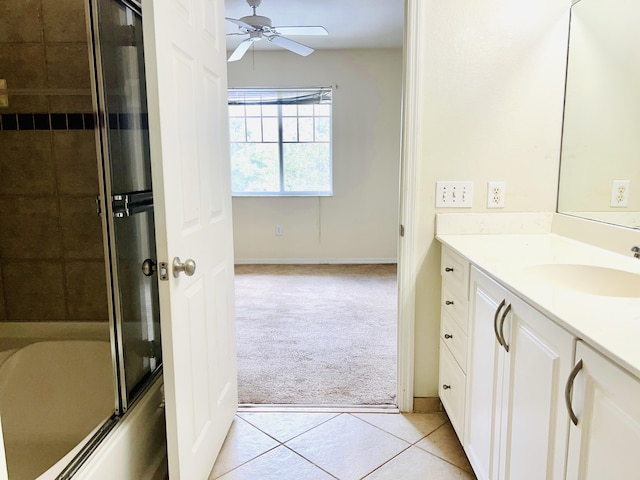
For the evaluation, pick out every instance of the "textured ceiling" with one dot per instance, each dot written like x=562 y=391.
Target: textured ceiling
x=351 y=23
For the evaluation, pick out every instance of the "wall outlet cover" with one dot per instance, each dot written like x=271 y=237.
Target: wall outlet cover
x=620 y=193
x=495 y=194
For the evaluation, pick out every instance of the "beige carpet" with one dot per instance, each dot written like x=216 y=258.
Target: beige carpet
x=316 y=334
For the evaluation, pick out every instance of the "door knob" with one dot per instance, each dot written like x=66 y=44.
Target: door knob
x=149 y=267
x=188 y=267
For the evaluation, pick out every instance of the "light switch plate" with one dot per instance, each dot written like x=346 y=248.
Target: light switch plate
x=454 y=194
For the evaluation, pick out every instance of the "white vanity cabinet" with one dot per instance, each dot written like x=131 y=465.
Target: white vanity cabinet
x=453 y=336
x=605 y=441
x=518 y=362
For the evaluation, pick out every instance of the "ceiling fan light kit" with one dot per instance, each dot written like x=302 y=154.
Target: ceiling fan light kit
x=259 y=27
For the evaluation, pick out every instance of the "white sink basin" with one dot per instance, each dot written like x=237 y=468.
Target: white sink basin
x=590 y=279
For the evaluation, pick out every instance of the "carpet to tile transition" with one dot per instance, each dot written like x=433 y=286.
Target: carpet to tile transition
x=316 y=334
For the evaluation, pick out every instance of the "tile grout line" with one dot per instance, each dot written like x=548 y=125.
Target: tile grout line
x=414 y=444
x=438 y=456
x=252 y=458
x=309 y=461
x=295 y=436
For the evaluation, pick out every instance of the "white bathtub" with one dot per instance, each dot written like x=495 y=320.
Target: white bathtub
x=53 y=395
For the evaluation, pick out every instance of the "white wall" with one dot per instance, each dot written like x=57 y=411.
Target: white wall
x=360 y=221
x=492 y=92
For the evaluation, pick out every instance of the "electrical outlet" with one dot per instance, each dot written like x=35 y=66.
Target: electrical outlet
x=458 y=194
x=620 y=193
x=278 y=230
x=495 y=194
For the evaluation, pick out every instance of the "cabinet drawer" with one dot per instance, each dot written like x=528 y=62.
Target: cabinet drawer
x=454 y=338
x=452 y=388
x=455 y=272
x=455 y=305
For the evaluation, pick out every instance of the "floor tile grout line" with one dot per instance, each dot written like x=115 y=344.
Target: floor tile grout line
x=382 y=465
x=248 y=461
x=307 y=460
x=438 y=456
x=252 y=458
x=295 y=436
x=415 y=444
x=393 y=434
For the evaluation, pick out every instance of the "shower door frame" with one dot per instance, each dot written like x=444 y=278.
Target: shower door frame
x=123 y=398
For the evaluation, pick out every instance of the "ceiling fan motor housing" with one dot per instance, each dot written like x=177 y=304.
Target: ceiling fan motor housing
x=257 y=21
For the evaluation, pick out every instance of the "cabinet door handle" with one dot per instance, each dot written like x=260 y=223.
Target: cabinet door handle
x=448 y=302
x=448 y=336
x=501 y=330
x=568 y=389
x=448 y=269
x=446 y=387
x=495 y=321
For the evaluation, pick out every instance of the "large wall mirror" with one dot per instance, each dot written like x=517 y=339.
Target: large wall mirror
x=601 y=134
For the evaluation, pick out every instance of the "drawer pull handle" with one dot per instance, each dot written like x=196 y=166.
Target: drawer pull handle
x=501 y=330
x=448 y=302
x=446 y=387
x=447 y=336
x=448 y=269
x=568 y=390
x=495 y=321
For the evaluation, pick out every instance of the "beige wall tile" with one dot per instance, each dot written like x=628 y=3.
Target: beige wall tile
x=34 y=291
x=81 y=228
x=23 y=66
x=74 y=154
x=20 y=21
x=86 y=291
x=71 y=103
x=26 y=104
x=26 y=163
x=64 y=21
x=68 y=66
x=29 y=228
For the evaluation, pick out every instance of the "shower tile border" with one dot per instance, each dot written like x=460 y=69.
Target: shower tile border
x=70 y=121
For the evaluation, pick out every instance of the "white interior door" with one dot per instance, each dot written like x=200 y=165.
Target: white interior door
x=185 y=61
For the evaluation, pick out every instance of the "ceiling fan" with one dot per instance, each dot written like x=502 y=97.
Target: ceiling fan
x=258 y=27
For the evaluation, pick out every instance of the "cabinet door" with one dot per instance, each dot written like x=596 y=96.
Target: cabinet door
x=605 y=442
x=484 y=377
x=535 y=421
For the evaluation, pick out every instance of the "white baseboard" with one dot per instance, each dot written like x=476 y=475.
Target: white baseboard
x=313 y=261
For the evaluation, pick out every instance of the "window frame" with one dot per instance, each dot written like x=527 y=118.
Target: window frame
x=281 y=97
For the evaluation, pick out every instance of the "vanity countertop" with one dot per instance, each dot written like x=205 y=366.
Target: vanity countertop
x=610 y=324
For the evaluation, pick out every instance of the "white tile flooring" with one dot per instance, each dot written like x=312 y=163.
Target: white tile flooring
x=344 y=446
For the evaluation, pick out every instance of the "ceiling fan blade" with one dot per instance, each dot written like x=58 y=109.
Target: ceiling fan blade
x=290 y=45
x=240 y=50
x=310 y=30
x=240 y=23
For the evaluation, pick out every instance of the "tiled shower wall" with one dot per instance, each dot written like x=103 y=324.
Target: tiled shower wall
x=51 y=252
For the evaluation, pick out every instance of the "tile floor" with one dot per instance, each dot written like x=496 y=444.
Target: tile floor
x=344 y=446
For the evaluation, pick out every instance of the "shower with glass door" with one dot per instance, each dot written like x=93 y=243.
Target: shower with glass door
x=79 y=305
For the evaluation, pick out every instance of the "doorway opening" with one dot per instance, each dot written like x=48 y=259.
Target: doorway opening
x=282 y=241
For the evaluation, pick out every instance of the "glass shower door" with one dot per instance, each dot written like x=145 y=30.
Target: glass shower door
x=123 y=104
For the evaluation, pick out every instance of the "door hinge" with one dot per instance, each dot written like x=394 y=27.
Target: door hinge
x=401 y=230
x=98 y=206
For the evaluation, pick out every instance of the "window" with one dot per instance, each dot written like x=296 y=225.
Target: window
x=280 y=141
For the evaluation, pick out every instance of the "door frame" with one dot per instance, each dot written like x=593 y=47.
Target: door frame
x=410 y=148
